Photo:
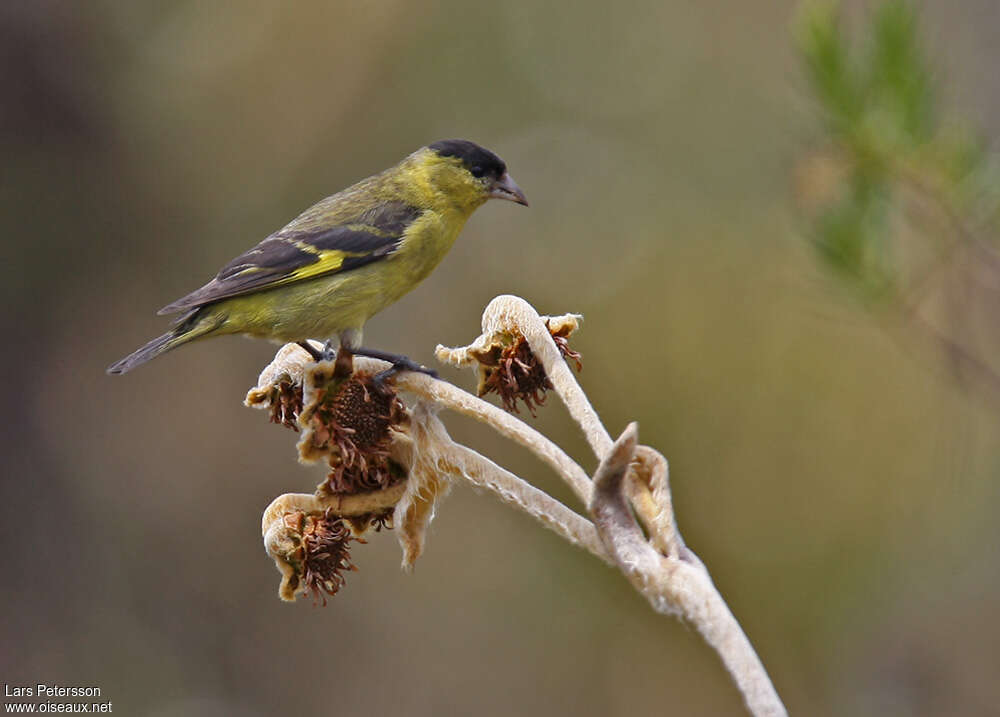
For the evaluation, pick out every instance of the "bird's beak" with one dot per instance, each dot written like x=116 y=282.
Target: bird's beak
x=506 y=188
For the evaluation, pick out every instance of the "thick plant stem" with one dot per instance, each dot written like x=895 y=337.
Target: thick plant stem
x=677 y=586
x=455 y=399
x=463 y=462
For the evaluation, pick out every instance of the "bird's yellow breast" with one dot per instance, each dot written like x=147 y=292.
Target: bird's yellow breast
x=426 y=241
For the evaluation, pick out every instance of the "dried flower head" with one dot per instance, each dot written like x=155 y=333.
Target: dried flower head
x=308 y=536
x=509 y=369
x=289 y=367
x=325 y=542
x=503 y=357
x=351 y=423
x=356 y=426
x=312 y=548
x=315 y=550
x=512 y=372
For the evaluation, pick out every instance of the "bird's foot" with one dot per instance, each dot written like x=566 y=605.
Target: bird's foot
x=342 y=358
x=327 y=353
x=407 y=365
x=399 y=363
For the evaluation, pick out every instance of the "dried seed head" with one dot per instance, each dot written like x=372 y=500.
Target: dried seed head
x=313 y=549
x=308 y=536
x=326 y=555
x=347 y=421
x=352 y=424
x=514 y=373
x=503 y=356
x=365 y=410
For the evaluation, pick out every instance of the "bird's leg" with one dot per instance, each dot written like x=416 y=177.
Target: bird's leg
x=344 y=364
x=399 y=363
x=342 y=357
x=327 y=353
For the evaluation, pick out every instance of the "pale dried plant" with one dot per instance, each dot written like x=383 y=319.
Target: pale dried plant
x=631 y=481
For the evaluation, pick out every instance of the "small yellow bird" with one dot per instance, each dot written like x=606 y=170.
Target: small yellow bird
x=345 y=258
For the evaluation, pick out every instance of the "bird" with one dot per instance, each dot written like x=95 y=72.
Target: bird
x=344 y=259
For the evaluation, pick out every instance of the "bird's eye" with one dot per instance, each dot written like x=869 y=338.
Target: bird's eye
x=478 y=171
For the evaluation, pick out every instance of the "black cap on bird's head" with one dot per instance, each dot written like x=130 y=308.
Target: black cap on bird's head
x=478 y=160
x=482 y=164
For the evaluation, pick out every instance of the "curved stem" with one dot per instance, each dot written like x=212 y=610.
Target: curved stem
x=510 y=314
x=455 y=399
x=679 y=586
x=479 y=470
x=344 y=505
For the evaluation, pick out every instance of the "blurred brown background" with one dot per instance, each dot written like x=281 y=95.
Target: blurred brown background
x=840 y=491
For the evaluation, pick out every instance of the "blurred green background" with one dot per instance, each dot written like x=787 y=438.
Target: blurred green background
x=840 y=488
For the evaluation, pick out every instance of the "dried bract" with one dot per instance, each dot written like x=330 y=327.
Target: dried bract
x=289 y=366
x=429 y=481
x=561 y=337
x=286 y=405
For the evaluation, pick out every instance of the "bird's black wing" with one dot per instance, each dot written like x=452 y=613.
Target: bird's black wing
x=294 y=254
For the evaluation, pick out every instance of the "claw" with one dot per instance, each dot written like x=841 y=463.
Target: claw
x=405 y=365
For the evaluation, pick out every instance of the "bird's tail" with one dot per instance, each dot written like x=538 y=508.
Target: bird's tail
x=189 y=329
